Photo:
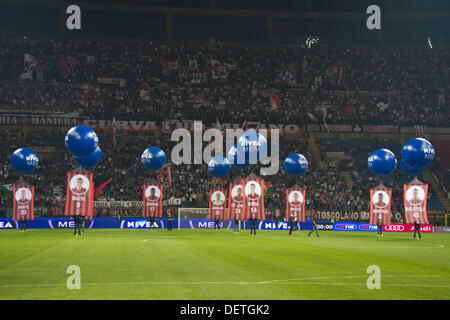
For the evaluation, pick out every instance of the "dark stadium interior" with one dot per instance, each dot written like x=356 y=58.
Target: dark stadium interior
x=391 y=77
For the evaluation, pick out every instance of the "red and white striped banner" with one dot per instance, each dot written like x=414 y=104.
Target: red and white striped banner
x=217 y=204
x=79 y=194
x=254 y=198
x=236 y=208
x=295 y=204
x=415 y=200
x=23 y=202
x=380 y=206
x=152 y=200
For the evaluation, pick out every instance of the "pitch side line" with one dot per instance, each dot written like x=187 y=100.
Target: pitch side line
x=298 y=281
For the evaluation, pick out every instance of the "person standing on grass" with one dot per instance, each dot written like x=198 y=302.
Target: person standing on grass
x=23 y=221
x=253 y=224
x=77 y=220
x=291 y=224
x=314 y=227
x=416 y=225
x=152 y=221
x=217 y=220
x=380 y=225
x=169 y=220
x=236 y=223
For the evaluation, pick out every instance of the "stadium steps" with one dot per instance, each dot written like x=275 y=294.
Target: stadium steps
x=445 y=202
x=348 y=179
x=315 y=152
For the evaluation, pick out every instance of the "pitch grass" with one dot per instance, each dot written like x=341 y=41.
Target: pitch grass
x=208 y=264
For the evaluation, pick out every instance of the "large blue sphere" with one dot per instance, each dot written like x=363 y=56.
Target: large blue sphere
x=408 y=170
x=295 y=164
x=91 y=160
x=81 y=141
x=238 y=158
x=382 y=162
x=24 y=160
x=219 y=167
x=153 y=158
x=418 y=153
x=254 y=146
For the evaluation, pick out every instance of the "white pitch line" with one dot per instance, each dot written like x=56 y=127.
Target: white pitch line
x=278 y=281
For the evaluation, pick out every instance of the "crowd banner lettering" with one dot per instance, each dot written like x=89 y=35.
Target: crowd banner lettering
x=415 y=201
x=217 y=204
x=23 y=202
x=79 y=194
x=380 y=205
x=152 y=200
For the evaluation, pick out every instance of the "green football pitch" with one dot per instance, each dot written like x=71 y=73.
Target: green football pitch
x=208 y=264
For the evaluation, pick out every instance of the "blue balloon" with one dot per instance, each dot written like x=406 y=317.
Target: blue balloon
x=81 y=141
x=254 y=146
x=219 y=167
x=24 y=160
x=382 y=162
x=295 y=164
x=408 y=170
x=418 y=153
x=237 y=158
x=91 y=160
x=153 y=158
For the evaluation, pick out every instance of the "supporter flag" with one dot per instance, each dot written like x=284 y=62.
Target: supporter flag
x=192 y=66
x=29 y=64
x=8 y=188
x=89 y=93
x=254 y=197
x=114 y=131
x=236 y=206
x=275 y=101
x=217 y=204
x=164 y=175
x=152 y=200
x=100 y=188
x=220 y=70
x=286 y=74
x=336 y=75
x=415 y=201
x=80 y=193
x=67 y=66
x=380 y=205
x=168 y=66
x=23 y=201
x=295 y=204
x=144 y=91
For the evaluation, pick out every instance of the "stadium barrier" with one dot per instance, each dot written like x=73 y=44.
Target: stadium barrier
x=143 y=223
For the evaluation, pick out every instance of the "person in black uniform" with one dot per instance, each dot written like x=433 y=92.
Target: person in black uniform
x=417 y=225
x=152 y=222
x=314 y=227
x=291 y=224
x=217 y=221
x=380 y=226
x=277 y=218
x=23 y=222
x=169 y=220
x=77 y=220
x=253 y=224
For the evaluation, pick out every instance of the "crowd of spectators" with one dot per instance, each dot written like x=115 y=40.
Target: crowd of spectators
x=156 y=82
x=160 y=82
